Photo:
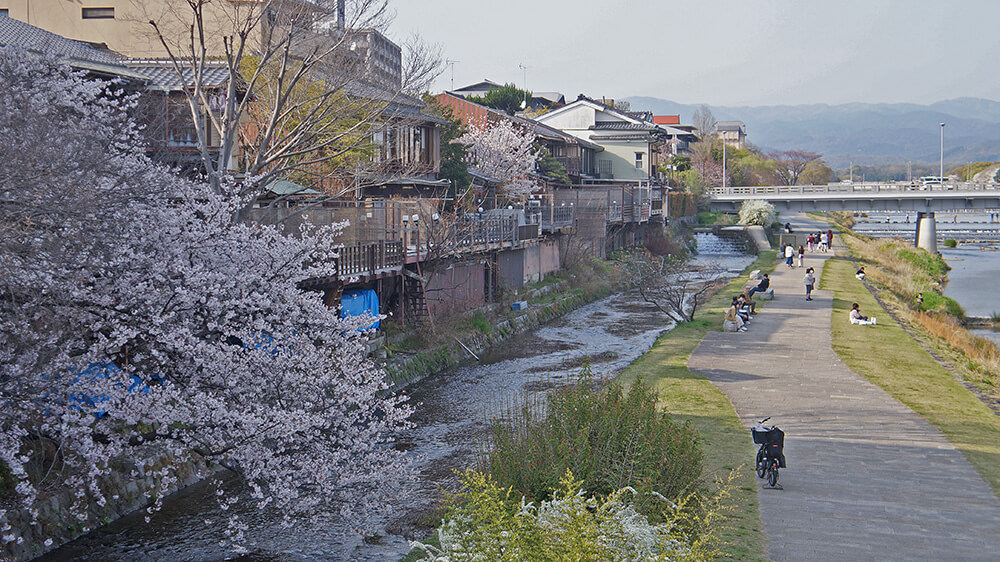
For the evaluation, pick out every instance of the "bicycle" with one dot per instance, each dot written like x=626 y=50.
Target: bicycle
x=770 y=455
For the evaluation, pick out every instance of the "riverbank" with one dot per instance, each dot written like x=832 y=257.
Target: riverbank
x=910 y=374
x=691 y=398
x=418 y=354
x=937 y=368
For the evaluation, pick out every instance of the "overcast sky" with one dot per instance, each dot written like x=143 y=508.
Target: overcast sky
x=720 y=52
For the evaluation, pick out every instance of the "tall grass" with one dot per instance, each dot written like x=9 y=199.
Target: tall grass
x=608 y=438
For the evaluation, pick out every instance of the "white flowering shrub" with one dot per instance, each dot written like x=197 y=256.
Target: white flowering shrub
x=757 y=212
x=490 y=524
x=140 y=316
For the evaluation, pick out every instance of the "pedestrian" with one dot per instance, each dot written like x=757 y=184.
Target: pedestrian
x=810 y=282
x=789 y=254
x=809 y=242
x=802 y=254
x=823 y=242
x=829 y=239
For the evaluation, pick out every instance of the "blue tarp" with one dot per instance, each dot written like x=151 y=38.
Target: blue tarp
x=359 y=303
x=103 y=369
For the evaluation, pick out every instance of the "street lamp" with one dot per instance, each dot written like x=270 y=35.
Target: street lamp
x=941 y=171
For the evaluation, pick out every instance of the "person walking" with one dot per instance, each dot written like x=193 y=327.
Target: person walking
x=802 y=254
x=810 y=282
x=789 y=255
x=823 y=242
x=829 y=238
x=809 y=242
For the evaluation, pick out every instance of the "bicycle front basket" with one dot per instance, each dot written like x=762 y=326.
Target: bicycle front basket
x=770 y=436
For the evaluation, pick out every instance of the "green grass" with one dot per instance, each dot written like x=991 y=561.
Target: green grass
x=691 y=398
x=910 y=374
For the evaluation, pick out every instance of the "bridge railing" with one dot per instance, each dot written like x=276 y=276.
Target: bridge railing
x=842 y=188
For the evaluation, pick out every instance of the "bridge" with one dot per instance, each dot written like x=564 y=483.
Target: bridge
x=885 y=196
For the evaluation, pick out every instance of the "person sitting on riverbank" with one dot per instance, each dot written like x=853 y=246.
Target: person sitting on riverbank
x=861 y=273
x=733 y=321
x=860 y=319
x=761 y=287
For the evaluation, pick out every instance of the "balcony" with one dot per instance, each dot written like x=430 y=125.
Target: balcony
x=369 y=260
x=571 y=164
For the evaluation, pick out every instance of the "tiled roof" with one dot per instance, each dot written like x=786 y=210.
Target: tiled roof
x=621 y=126
x=163 y=76
x=19 y=34
x=667 y=119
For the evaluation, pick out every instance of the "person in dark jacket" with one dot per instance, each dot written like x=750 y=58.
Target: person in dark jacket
x=760 y=287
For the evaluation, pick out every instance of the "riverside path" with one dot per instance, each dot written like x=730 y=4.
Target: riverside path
x=867 y=478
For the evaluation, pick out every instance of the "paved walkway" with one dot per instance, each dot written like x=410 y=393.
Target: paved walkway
x=867 y=478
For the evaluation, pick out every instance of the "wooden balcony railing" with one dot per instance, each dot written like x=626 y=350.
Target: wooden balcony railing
x=370 y=259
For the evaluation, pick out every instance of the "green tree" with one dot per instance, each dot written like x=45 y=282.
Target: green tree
x=551 y=168
x=508 y=98
x=817 y=173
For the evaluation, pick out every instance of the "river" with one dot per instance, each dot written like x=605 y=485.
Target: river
x=450 y=420
x=974 y=270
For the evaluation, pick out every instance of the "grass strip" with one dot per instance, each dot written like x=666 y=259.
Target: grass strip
x=910 y=374
x=690 y=397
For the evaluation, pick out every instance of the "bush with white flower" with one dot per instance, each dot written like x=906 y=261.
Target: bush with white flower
x=757 y=212
x=490 y=524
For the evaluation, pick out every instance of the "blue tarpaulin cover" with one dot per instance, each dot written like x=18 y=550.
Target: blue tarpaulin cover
x=359 y=303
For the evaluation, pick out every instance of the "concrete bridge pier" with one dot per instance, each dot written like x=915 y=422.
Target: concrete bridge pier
x=926 y=232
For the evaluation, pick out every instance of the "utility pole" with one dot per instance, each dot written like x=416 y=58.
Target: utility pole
x=524 y=84
x=941 y=174
x=724 y=165
x=852 y=172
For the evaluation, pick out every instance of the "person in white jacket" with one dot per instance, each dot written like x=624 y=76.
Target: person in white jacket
x=858 y=318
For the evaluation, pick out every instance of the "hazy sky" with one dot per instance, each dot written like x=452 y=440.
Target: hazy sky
x=720 y=52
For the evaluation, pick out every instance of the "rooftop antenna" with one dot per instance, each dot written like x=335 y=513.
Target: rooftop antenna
x=451 y=63
x=524 y=84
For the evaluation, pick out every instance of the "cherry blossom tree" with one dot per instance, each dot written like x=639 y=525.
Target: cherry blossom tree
x=140 y=318
x=506 y=152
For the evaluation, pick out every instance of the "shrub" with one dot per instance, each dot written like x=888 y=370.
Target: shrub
x=951 y=243
x=940 y=303
x=608 y=439
x=932 y=264
x=757 y=211
x=491 y=523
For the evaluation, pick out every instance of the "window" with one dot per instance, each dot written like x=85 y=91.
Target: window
x=638 y=160
x=98 y=13
x=3 y=12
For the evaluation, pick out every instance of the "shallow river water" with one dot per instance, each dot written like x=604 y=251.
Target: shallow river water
x=451 y=417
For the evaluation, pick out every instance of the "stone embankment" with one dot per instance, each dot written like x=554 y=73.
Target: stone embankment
x=408 y=370
x=56 y=524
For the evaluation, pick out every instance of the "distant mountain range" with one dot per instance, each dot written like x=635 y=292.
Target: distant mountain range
x=863 y=133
